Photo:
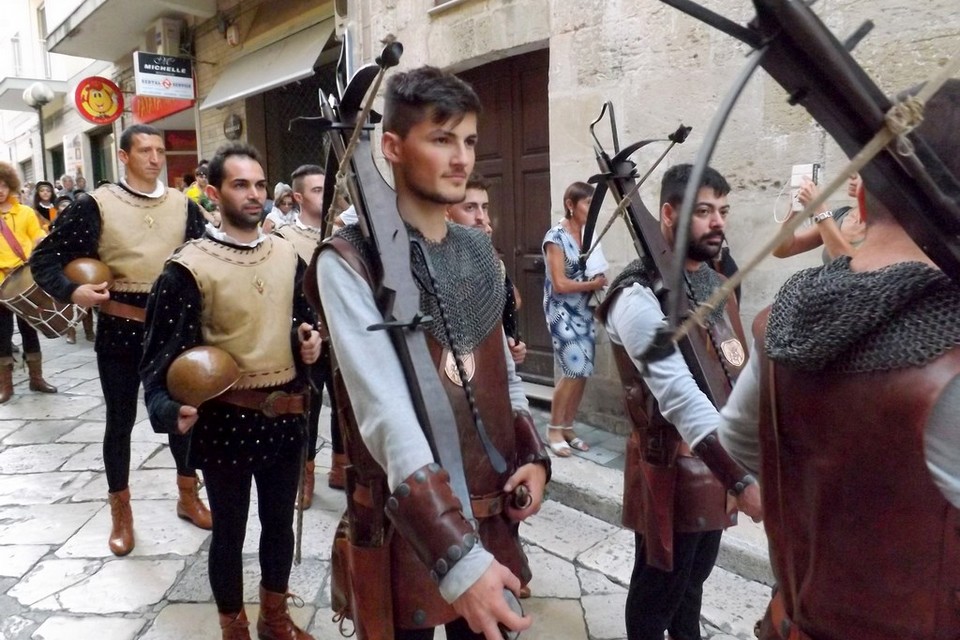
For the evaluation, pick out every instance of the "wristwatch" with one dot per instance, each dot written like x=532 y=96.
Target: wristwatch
x=820 y=217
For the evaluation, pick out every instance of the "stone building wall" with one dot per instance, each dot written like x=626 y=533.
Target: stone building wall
x=660 y=67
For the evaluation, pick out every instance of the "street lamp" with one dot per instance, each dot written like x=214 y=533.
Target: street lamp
x=37 y=96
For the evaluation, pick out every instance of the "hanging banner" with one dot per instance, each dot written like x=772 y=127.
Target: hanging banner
x=163 y=76
x=98 y=100
x=148 y=109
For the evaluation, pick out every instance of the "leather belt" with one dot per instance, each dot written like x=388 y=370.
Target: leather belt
x=123 y=310
x=485 y=507
x=782 y=623
x=269 y=403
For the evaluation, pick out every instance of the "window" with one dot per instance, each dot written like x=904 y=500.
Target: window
x=42 y=36
x=17 y=55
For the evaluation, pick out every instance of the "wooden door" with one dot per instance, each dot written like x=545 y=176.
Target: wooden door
x=513 y=153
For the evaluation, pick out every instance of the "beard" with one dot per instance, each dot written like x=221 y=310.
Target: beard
x=701 y=250
x=435 y=196
x=240 y=219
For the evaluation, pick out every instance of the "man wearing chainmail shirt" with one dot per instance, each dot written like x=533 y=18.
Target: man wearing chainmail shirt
x=133 y=227
x=849 y=410
x=677 y=475
x=429 y=139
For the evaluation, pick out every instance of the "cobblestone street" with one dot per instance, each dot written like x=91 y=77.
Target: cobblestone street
x=58 y=580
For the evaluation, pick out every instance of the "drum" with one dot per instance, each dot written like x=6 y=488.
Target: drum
x=20 y=294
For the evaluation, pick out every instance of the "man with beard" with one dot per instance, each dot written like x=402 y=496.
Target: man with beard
x=252 y=307
x=132 y=227
x=677 y=475
x=434 y=566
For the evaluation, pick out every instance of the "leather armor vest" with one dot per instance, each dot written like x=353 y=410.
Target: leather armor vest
x=416 y=599
x=138 y=234
x=305 y=241
x=862 y=542
x=666 y=487
x=247 y=305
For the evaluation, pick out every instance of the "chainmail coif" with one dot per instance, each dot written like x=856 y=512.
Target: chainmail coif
x=468 y=280
x=700 y=284
x=833 y=319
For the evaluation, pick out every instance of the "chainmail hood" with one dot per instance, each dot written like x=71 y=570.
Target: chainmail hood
x=832 y=318
x=700 y=286
x=467 y=278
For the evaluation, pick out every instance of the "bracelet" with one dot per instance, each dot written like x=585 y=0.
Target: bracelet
x=820 y=217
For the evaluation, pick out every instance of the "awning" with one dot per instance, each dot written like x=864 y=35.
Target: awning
x=280 y=63
x=11 y=92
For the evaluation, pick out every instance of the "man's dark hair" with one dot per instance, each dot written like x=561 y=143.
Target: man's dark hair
x=477 y=181
x=675 y=181
x=427 y=92
x=126 y=138
x=304 y=170
x=940 y=130
x=215 y=168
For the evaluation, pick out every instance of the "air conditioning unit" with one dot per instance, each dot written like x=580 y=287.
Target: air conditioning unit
x=163 y=37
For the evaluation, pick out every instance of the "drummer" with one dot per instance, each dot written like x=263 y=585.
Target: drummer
x=132 y=226
x=19 y=233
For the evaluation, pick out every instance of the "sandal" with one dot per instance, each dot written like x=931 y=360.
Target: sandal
x=575 y=442
x=560 y=449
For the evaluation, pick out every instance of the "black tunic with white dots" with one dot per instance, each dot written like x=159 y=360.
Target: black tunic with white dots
x=76 y=234
x=224 y=435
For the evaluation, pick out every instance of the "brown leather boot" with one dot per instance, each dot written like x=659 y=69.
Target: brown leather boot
x=88 y=327
x=190 y=506
x=35 y=369
x=309 y=483
x=337 y=476
x=234 y=626
x=274 y=622
x=6 y=379
x=121 y=535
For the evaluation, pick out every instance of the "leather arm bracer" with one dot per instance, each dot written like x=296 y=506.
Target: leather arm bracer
x=430 y=518
x=734 y=477
x=529 y=446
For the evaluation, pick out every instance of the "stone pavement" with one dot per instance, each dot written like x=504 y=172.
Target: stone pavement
x=58 y=580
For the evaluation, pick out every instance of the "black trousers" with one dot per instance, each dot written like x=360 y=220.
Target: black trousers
x=456 y=630
x=31 y=343
x=659 y=601
x=321 y=376
x=120 y=382
x=228 y=491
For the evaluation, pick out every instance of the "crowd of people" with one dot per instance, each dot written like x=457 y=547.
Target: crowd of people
x=235 y=312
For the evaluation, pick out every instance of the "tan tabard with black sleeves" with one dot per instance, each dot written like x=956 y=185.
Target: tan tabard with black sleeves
x=247 y=305
x=305 y=240
x=138 y=234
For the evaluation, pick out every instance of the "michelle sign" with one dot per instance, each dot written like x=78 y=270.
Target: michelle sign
x=98 y=100
x=163 y=76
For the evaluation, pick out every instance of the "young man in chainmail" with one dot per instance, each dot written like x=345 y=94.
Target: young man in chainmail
x=849 y=410
x=677 y=475
x=439 y=568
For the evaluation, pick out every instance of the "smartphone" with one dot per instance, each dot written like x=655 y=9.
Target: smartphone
x=797 y=174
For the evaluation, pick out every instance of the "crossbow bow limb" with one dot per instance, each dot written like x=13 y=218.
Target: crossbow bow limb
x=818 y=72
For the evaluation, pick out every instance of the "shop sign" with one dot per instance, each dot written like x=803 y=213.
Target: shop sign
x=163 y=76
x=98 y=100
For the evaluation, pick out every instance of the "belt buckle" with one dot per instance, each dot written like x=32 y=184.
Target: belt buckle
x=267 y=406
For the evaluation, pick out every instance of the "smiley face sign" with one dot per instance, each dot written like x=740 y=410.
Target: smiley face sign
x=99 y=100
